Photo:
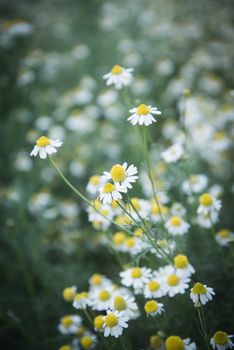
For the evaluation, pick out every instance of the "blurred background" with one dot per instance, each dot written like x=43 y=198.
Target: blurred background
x=53 y=55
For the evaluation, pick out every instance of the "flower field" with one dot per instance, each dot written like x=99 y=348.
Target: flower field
x=117 y=175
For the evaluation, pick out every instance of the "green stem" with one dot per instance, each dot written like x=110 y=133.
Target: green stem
x=146 y=152
x=203 y=326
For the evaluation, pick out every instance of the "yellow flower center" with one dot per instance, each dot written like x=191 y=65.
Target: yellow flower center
x=220 y=338
x=138 y=232
x=117 y=69
x=180 y=261
x=130 y=242
x=96 y=279
x=43 y=141
x=175 y=221
x=111 y=320
x=99 y=321
x=67 y=321
x=123 y=220
x=173 y=280
x=153 y=286
x=206 y=199
x=118 y=173
x=104 y=295
x=156 y=342
x=174 y=343
x=119 y=303
x=119 y=238
x=224 y=233
x=219 y=135
x=198 y=288
x=108 y=187
x=65 y=347
x=80 y=331
x=94 y=180
x=97 y=204
x=163 y=243
x=136 y=272
x=82 y=295
x=151 y=306
x=86 y=342
x=142 y=110
x=68 y=294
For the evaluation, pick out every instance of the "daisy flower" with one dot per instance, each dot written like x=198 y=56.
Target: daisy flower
x=99 y=322
x=134 y=245
x=177 y=226
x=140 y=207
x=221 y=341
x=173 y=153
x=156 y=342
x=182 y=265
x=174 y=342
x=207 y=220
x=224 y=237
x=122 y=175
x=45 y=146
x=136 y=277
x=172 y=282
x=109 y=192
x=93 y=184
x=102 y=299
x=69 y=293
x=195 y=184
x=201 y=294
x=118 y=241
x=125 y=303
x=98 y=281
x=69 y=324
x=143 y=115
x=118 y=76
x=153 y=308
x=88 y=341
x=208 y=204
x=114 y=323
x=81 y=300
x=153 y=289
x=156 y=210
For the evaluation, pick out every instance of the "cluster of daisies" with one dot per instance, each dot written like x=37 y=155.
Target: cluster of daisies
x=110 y=307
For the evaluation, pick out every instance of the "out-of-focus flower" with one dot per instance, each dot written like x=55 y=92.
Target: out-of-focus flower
x=45 y=146
x=208 y=204
x=173 y=153
x=69 y=324
x=143 y=115
x=136 y=277
x=69 y=293
x=119 y=76
x=177 y=226
x=182 y=265
x=153 y=308
x=224 y=237
x=175 y=342
x=221 y=341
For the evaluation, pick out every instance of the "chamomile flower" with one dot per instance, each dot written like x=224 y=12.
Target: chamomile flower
x=98 y=281
x=122 y=175
x=221 y=341
x=69 y=324
x=157 y=210
x=153 y=308
x=134 y=245
x=201 y=294
x=93 y=184
x=156 y=342
x=114 y=323
x=136 y=277
x=88 y=341
x=174 y=342
x=173 y=153
x=195 y=184
x=119 y=76
x=138 y=207
x=208 y=204
x=207 y=220
x=98 y=323
x=109 y=192
x=102 y=298
x=177 y=226
x=143 y=115
x=172 y=282
x=224 y=237
x=81 y=300
x=45 y=146
x=125 y=303
x=182 y=265
x=69 y=293
x=153 y=289
x=118 y=241
x=100 y=214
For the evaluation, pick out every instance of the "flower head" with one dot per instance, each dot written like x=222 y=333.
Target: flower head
x=201 y=294
x=221 y=341
x=177 y=226
x=173 y=153
x=45 y=146
x=114 y=323
x=143 y=115
x=119 y=76
x=109 y=192
x=153 y=308
x=174 y=342
x=122 y=176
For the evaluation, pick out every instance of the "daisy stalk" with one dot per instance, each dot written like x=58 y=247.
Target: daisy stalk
x=146 y=153
x=203 y=326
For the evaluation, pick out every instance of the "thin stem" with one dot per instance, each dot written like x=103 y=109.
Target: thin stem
x=84 y=198
x=145 y=140
x=203 y=326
